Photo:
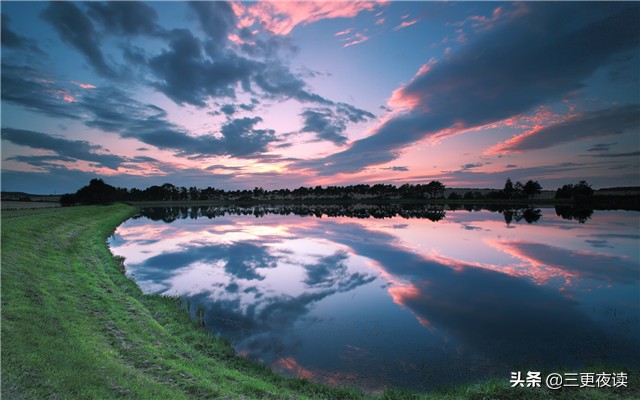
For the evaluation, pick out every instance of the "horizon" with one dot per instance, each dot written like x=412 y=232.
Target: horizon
x=287 y=94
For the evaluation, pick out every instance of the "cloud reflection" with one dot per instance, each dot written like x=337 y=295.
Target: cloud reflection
x=296 y=292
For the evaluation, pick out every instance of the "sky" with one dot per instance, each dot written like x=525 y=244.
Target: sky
x=237 y=95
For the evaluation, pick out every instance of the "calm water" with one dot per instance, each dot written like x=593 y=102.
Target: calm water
x=419 y=300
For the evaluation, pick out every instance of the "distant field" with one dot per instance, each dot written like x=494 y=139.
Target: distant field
x=22 y=205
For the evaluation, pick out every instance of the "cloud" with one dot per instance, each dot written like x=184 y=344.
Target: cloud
x=76 y=29
x=10 y=39
x=356 y=39
x=330 y=123
x=273 y=47
x=616 y=155
x=600 y=266
x=602 y=146
x=125 y=17
x=325 y=125
x=611 y=121
x=249 y=107
x=499 y=13
x=241 y=139
x=471 y=166
x=505 y=72
x=437 y=284
x=405 y=24
x=241 y=260
x=26 y=87
x=277 y=81
x=228 y=109
x=281 y=18
x=223 y=167
x=217 y=20
x=190 y=70
x=46 y=162
x=185 y=76
x=327 y=271
x=66 y=149
x=112 y=110
x=396 y=169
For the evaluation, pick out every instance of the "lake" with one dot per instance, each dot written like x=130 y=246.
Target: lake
x=403 y=296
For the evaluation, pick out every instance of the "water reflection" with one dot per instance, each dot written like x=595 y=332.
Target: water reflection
x=416 y=297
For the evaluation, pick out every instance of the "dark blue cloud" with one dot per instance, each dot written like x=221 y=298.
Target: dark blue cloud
x=241 y=260
x=532 y=59
x=114 y=111
x=125 y=17
x=76 y=29
x=607 y=122
x=397 y=169
x=274 y=47
x=616 y=155
x=327 y=271
x=329 y=123
x=228 y=109
x=324 y=123
x=602 y=146
x=66 y=149
x=217 y=19
x=47 y=162
x=186 y=76
x=28 y=88
x=11 y=39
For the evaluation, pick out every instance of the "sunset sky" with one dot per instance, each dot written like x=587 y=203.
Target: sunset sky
x=284 y=94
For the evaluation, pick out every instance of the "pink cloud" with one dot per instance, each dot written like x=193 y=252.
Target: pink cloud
x=401 y=99
x=235 y=38
x=283 y=16
x=380 y=21
x=344 y=32
x=404 y=24
x=481 y=22
x=83 y=85
x=543 y=119
x=356 y=39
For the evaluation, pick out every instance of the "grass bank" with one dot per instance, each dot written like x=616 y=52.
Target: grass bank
x=74 y=327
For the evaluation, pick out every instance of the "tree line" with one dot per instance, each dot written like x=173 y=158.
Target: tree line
x=99 y=192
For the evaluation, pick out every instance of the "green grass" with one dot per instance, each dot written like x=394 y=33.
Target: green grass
x=74 y=327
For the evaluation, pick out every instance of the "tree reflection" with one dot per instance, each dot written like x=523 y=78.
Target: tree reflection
x=363 y=211
x=574 y=213
x=530 y=215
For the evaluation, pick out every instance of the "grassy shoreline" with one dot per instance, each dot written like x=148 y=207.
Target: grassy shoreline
x=73 y=326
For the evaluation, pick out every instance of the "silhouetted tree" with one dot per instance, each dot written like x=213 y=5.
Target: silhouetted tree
x=67 y=200
x=531 y=188
x=508 y=188
x=580 y=191
x=97 y=192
